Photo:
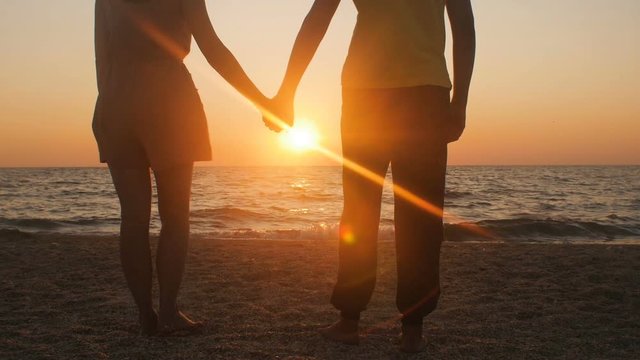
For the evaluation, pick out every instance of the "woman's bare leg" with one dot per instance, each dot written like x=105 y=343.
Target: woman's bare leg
x=174 y=194
x=134 y=191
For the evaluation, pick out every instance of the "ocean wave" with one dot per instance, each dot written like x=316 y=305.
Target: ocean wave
x=313 y=197
x=523 y=229
x=53 y=224
x=618 y=217
x=38 y=224
x=228 y=214
x=239 y=234
x=451 y=194
x=14 y=234
x=536 y=229
x=508 y=230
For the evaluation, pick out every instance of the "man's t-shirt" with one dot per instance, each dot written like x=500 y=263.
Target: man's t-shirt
x=397 y=43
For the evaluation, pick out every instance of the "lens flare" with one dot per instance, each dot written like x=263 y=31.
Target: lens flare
x=301 y=137
x=347 y=236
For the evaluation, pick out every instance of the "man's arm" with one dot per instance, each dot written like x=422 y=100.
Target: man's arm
x=464 y=51
x=311 y=33
x=217 y=54
x=101 y=38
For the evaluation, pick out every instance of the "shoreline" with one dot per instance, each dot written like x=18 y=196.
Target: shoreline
x=64 y=297
x=15 y=233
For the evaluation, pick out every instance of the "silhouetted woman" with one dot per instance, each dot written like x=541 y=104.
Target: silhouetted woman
x=149 y=115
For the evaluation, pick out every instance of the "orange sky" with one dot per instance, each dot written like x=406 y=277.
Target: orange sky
x=556 y=82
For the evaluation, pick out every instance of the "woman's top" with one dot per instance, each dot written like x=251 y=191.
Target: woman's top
x=146 y=95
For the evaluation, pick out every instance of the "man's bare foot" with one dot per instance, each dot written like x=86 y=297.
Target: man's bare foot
x=411 y=340
x=148 y=322
x=178 y=324
x=344 y=331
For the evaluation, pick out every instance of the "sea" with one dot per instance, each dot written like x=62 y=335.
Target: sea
x=508 y=203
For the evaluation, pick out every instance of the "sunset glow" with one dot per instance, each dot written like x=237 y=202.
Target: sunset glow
x=517 y=112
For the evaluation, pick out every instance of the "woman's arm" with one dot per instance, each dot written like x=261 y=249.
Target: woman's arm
x=101 y=45
x=464 y=51
x=311 y=33
x=217 y=54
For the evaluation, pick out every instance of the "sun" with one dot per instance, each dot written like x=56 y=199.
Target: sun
x=302 y=136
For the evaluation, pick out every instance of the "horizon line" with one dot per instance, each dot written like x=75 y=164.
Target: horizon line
x=327 y=166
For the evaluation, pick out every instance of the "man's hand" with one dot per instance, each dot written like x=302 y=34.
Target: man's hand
x=279 y=113
x=464 y=52
x=457 y=121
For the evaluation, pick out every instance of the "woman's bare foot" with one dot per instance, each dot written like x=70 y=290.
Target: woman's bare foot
x=411 y=340
x=178 y=324
x=148 y=322
x=344 y=331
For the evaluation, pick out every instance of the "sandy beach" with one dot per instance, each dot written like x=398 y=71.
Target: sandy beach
x=64 y=297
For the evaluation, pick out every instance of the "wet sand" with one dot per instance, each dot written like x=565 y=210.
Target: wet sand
x=64 y=297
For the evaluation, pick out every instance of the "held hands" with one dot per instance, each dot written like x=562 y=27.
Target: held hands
x=279 y=113
x=457 y=121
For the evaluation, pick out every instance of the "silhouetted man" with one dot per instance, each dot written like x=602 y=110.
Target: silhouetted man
x=397 y=111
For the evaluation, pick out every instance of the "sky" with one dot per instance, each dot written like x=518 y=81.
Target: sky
x=555 y=83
